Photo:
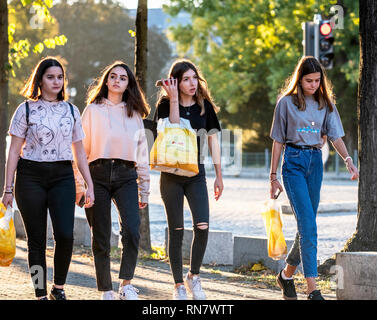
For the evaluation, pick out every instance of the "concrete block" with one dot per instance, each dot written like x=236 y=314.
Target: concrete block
x=83 y=235
x=326 y=207
x=219 y=247
x=254 y=249
x=81 y=230
x=356 y=275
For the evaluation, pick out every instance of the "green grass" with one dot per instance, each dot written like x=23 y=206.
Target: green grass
x=158 y=253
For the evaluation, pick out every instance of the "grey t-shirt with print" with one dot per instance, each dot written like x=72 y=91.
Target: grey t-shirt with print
x=305 y=128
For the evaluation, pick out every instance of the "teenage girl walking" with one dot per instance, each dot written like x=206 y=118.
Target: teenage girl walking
x=117 y=151
x=185 y=95
x=46 y=136
x=305 y=116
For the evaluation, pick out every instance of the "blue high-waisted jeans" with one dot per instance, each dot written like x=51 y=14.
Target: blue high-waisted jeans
x=302 y=172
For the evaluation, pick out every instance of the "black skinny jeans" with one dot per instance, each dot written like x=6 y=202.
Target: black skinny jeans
x=114 y=179
x=42 y=186
x=173 y=189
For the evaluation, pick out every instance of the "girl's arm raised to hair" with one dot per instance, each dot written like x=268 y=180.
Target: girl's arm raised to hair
x=11 y=166
x=171 y=88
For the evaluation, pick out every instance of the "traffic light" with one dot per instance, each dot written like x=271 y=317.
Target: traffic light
x=325 y=43
x=318 y=40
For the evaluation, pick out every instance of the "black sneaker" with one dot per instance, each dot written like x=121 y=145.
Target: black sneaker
x=287 y=287
x=315 y=295
x=57 y=294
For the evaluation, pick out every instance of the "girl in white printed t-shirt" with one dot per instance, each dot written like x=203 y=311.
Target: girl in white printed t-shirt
x=42 y=152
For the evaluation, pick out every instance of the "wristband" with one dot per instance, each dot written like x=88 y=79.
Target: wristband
x=348 y=157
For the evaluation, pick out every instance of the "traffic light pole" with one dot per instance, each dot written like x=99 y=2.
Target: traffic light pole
x=308 y=38
x=317 y=19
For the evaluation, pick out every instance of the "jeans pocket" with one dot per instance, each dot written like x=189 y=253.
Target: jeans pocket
x=98 y=171
x=292 y=153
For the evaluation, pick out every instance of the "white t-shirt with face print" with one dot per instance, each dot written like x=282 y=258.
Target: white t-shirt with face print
x=50 y=132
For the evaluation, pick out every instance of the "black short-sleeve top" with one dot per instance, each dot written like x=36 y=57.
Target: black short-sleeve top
x=204 y=125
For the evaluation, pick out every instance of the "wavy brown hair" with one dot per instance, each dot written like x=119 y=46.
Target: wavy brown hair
x=133 y=95
x=32 y=88
x=178 y=68
x=324 y=94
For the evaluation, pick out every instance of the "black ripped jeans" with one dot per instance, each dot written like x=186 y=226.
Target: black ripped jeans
x=42 y=186
x=173 y=189
x=114 y=179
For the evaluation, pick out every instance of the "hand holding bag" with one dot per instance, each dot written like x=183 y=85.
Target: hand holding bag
x=175 y=149
x=7 y=236
x=276 y=245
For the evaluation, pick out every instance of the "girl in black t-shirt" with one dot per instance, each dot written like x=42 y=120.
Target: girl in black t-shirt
x=185 y=95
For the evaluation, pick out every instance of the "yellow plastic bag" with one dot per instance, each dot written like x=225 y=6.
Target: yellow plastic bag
x=276 y=245
x=7 y=236
x=175 y=149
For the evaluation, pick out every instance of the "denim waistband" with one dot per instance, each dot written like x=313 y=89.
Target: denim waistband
x=129 y=164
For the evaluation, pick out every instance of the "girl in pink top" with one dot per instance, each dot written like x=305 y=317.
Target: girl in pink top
x=117 y=152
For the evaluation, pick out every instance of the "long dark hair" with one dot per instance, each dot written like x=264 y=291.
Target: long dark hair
x=133 y=95
x=177 y=70
x=32 y=88
x=324 y=94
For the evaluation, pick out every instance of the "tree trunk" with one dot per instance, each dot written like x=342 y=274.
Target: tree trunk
x=4 y=47
x=365 y=236
x=141 y=42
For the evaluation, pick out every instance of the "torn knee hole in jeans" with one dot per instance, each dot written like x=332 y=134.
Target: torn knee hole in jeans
x=202 y=225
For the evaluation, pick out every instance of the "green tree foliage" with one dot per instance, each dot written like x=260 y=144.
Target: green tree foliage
x=30 y=15
x=32 y=30
x=247 y=48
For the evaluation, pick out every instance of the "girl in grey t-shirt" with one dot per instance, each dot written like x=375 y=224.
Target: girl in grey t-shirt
x=305 y=116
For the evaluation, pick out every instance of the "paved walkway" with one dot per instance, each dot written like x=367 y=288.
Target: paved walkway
x=152 y=278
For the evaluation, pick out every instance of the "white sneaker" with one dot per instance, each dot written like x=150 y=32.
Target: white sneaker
x=128 y=292
x=195 y=287
x=108 y=295
x=180 y=293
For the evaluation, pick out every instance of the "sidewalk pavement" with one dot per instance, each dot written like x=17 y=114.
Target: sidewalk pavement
x=152 y=278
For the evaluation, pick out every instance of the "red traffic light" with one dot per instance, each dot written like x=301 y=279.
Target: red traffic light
x=325 y=29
